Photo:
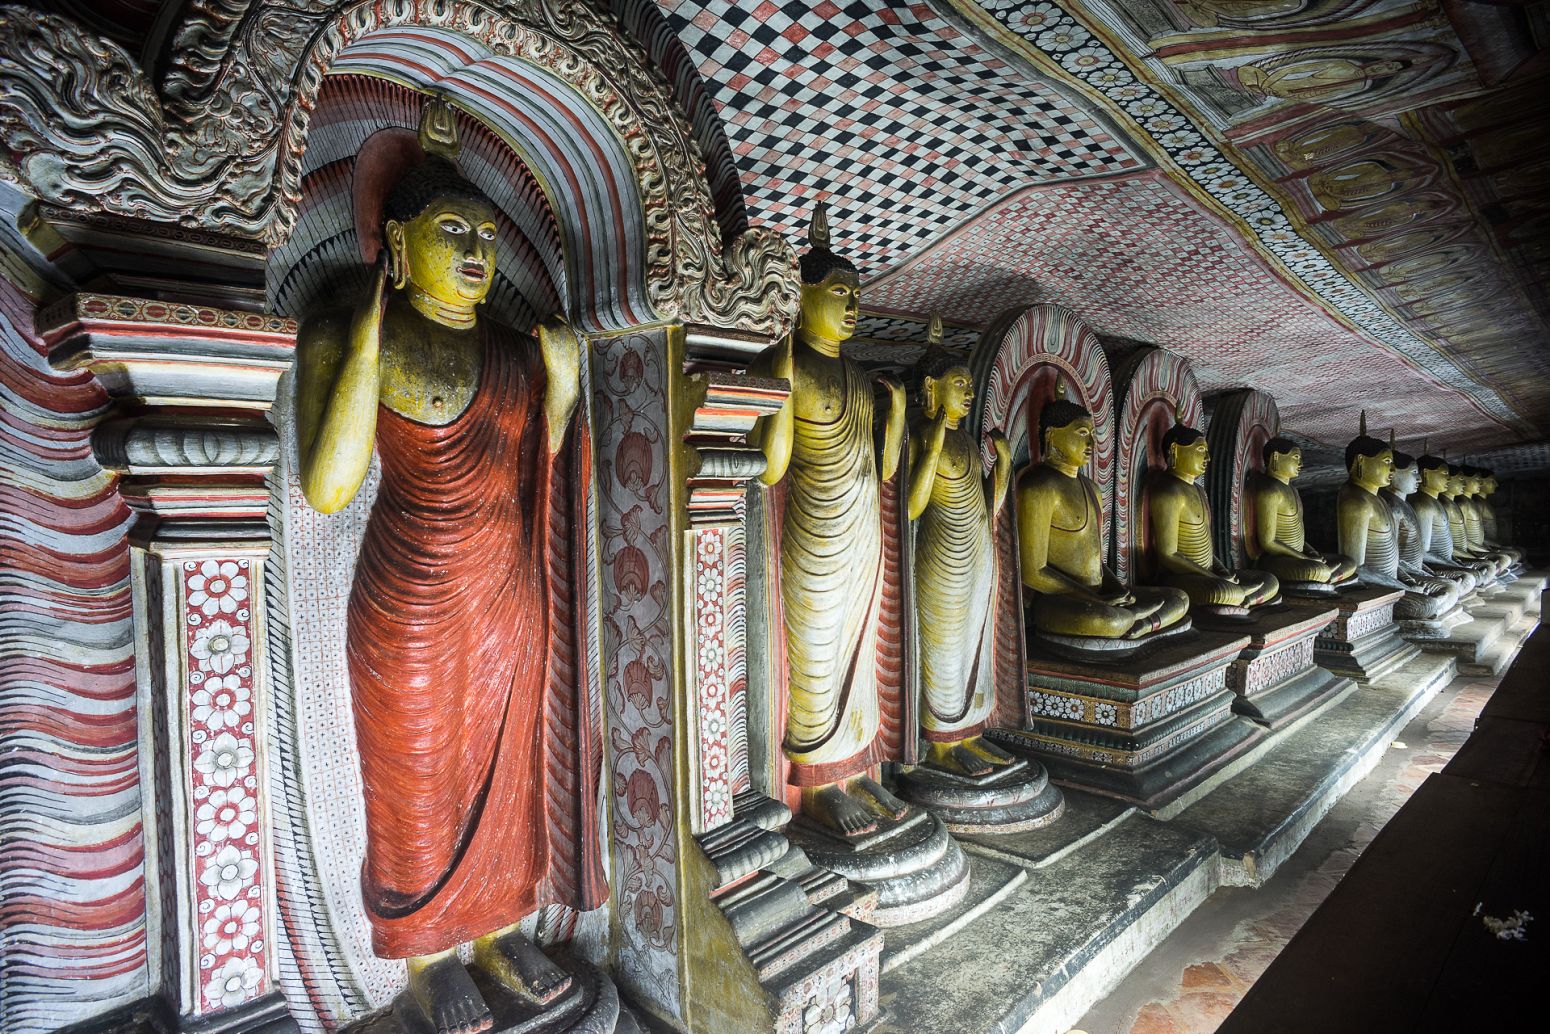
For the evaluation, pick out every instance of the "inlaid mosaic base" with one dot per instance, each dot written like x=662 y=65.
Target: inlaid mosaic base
x=1276 y=679
x=1146 y=730
x=1363 y=642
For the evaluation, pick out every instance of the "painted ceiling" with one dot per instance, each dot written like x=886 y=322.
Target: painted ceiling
x=1337 y=201
x=1345 y=203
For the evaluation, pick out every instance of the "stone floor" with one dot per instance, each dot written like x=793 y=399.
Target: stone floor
x=1189 y=983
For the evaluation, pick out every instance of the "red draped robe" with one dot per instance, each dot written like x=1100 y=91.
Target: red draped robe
x=452 y=657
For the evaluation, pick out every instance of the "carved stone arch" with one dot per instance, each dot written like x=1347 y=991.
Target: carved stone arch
x=1016 y=365
x=1242 y=422
x=222 y=149
x=1153 y=385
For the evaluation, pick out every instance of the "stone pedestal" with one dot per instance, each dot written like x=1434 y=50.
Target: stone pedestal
x=1422 y=632
x=802 y=928
x=1363 y=642
x=1011 y=799
x=1275 y=678
x=1145 y=731
x=915 y=866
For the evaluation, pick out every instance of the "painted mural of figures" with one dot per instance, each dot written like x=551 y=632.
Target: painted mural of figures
x=955 y=570
x=822 y=444
x=449 y=615
x=1319 y=78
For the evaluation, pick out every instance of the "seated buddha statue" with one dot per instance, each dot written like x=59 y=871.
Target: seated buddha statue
x=1369 y=534
x=1280 y=546
x=1480 y=527
x=1413 y=533
x=1076 y=601
x=954 y=507
x=1436 y=530
x=1470 y=548
x=1180 y=520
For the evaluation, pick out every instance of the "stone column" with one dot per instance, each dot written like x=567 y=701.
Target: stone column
x=192 y=385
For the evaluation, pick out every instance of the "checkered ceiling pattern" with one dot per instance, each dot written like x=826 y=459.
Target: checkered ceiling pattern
x=901 y=121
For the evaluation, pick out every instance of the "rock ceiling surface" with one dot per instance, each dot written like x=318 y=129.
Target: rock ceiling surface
x=1342 y=202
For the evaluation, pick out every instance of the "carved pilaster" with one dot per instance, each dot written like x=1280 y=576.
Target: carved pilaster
x=190 y=440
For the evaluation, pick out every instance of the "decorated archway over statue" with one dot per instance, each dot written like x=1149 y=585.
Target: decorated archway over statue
x=1242 y=422
x=1154 y=385
x=1016 y=365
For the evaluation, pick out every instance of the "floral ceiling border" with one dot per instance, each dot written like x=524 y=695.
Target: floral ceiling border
x=1055 y=40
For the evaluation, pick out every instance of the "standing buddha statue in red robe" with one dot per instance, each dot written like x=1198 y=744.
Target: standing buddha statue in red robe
x=465 y=697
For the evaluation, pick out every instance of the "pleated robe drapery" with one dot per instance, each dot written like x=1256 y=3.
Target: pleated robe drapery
x=831 y=591
x=955 y=581
x=478 y=747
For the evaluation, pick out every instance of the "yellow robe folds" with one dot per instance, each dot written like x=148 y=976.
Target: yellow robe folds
x=831 y=589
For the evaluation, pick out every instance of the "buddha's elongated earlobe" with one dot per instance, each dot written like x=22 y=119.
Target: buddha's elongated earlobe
x=397 y=271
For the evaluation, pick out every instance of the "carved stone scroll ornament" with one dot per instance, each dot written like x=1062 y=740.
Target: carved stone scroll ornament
x=219 y=146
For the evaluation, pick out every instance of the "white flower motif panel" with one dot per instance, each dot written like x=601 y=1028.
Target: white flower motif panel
x=220 y=587
x=226 y=841
x=219 y=646
x=227 y=874
x=233 y=983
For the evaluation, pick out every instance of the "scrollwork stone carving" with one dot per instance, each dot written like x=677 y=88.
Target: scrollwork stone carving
x=220 y=147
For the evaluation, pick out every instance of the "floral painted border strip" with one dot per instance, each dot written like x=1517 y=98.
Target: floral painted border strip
x=1060 y=38
x=232 y=936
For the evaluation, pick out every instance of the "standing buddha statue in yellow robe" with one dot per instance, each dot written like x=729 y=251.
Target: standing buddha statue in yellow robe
x=821 y=443
x=955 y=568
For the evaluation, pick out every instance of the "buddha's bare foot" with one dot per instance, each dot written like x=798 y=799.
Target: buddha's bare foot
x=831 y=806
x=519 y=965
x=968 y=762
x=989 y=751
x=883 y=802
x=447 y=996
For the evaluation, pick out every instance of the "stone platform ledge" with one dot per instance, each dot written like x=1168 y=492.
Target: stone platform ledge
x=1363 y=642
x=1275 y=677
x=1260 y=817
x=1499 y=603
x=1495 y=660
x=1145 y=730
x=1056 y=942
x=1469 y=642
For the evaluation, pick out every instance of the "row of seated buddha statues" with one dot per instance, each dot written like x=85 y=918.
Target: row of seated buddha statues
x=1076 y=602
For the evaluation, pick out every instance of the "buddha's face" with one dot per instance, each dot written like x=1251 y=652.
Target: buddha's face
x=1472 y=484
x=448 y=250
x=1190 y=460
x=1405 y=479
x=1489 y=487
x=1285 y=466
x=830 y=308
x=1072 y=445
x=953 y=392
x=1434 y=481
x=1455 y=483
x=1373 y=472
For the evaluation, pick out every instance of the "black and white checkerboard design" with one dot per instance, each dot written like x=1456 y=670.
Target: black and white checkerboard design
x=858 y=102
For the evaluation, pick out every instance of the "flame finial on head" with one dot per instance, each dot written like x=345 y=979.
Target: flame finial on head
x=818 y=229
x=1362 y=427
x=438 y=128
x=1391 y=439
x=1060 y=387
x=934 y=330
